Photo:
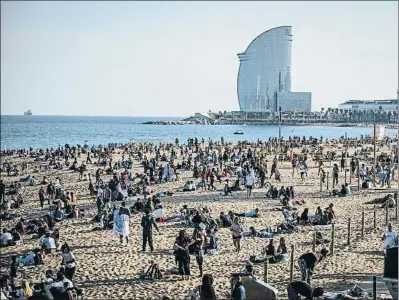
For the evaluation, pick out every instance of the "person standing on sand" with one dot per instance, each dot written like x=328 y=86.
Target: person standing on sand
x=237 y=232
x=147 y=222
x=249 y=183
x=307 y=263
x=124 y=215
x=41 y=197
x=2 y=191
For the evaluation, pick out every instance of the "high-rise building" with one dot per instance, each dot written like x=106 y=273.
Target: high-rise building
x=264 y=75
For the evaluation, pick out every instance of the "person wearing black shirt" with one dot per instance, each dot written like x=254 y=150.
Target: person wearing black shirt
x=307 y=263
x=147 y=222
x=13 y=269
x=297 y=289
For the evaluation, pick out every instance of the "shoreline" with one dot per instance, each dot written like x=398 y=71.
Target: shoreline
x=326 y=124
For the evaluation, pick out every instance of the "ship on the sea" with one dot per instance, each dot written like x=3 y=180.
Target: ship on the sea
x=28 y=113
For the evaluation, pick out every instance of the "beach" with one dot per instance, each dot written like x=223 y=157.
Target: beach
x=107 y=270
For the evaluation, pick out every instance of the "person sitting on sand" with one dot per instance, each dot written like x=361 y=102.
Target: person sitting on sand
x=21 y=226
x=320 y=240
x=304 y=218
x=296 y=289
x=6 y=238
x=254 y=213
x=329 y=211
x=197 y=219
x=188 y=187
x=48 y=244
x=225 y=220
x=270 y=249
x=227 y=190
x=390 y=202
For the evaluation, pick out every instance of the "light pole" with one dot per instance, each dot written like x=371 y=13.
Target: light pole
x=375 y=139
x=397 y=151
x=279 y=130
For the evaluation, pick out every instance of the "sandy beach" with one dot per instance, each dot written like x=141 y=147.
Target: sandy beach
x=108 y=270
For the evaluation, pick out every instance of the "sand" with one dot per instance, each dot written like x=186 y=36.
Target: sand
x=107 y=270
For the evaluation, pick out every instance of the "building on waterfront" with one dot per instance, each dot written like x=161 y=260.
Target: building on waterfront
x=264 y=75
x=390 y=105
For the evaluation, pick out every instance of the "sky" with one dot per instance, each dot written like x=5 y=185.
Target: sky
x=178 y=58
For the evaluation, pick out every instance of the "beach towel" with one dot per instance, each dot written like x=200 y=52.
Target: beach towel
x=125 y=225
x=117 y=227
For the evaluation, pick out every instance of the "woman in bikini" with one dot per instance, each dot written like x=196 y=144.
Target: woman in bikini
x=237 y=232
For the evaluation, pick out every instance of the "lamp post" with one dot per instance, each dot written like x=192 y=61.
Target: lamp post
x=397 y=151
x=279 y=130
x=375 y=162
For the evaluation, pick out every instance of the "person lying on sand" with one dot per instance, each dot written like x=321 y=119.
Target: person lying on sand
x=296 y=289
x=249 y=214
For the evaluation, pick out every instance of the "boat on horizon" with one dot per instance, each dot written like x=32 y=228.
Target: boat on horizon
x=239 y=132
x=28 y=113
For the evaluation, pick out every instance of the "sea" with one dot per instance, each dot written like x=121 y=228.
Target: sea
x=19 y=132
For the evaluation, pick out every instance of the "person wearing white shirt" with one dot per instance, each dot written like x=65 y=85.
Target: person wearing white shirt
x=389 y=237
x=100 y=192
x=239 y=172
x=6 y=237
x=249 y=182
x=48 y=243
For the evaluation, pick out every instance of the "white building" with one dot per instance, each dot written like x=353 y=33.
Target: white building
x=389 y=105
x=264 y=75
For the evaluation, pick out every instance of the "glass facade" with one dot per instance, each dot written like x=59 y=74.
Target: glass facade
x=265 y=70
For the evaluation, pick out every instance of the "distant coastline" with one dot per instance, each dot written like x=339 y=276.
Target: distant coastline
x=272 y=123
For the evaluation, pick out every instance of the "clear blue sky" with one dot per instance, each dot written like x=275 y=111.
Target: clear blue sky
x=177 y=58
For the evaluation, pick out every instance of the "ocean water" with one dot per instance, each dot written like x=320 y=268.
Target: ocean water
x=51 y=131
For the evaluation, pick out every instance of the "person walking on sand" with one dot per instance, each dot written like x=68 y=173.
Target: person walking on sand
x=124 y=215
x=148 y=222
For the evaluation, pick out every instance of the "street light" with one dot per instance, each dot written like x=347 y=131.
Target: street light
x=279 y=130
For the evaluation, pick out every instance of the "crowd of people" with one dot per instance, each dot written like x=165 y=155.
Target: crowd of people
x=113 y=185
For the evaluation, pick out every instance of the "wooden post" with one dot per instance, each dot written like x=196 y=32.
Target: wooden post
x=265 y=270
x=349 y=231
x=374 y=287
x=345 y=175
x=375 y=217
x=387 y=214
x=328 y=177
x=363 y=223
x=333 y=185
x=292 y=263
x=332 y=239
x=321 y=183
x=350 y=175
x=314 y=241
